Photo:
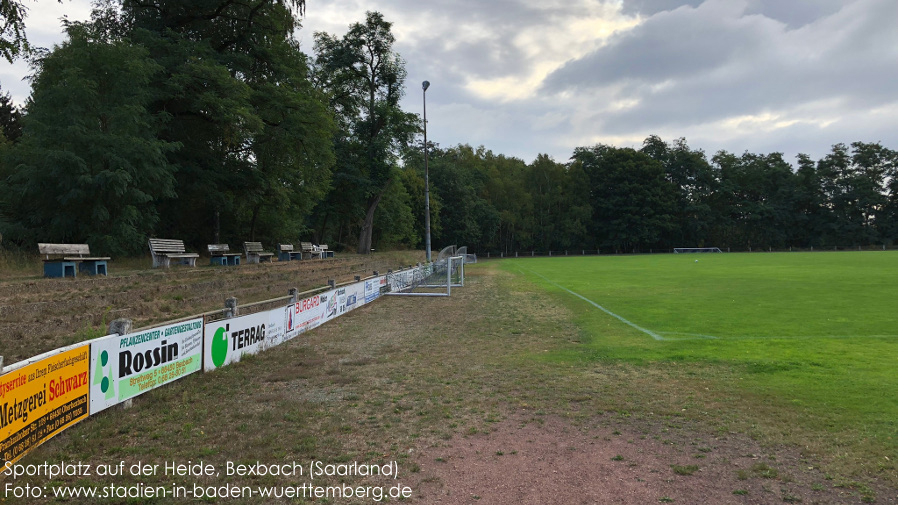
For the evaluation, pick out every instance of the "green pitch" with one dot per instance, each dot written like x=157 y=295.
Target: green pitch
x=812 y=332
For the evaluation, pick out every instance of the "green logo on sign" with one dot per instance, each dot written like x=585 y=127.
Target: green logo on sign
x=104 y=377
x=220 y=346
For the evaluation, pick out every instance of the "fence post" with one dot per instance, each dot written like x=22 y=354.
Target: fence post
x=293 y=292
x=1 y=364
x=231 y=307
x=120 y=326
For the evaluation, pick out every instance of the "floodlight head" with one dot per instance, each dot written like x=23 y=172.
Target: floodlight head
x=425 y=85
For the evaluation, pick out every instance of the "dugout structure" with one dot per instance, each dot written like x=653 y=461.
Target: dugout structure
x=435 y=279
x=678 y=250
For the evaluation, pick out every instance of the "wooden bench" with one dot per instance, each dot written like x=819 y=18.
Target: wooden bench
x=255 y=254
x=286 y=253
x=325 y=252
x=165 y=250
x=308 y=248
x=219 y=254
x=66 y=256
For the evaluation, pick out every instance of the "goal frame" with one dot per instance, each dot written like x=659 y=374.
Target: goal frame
x=401 y=286
x=681 y=250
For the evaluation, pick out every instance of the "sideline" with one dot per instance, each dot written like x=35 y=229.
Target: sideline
x=659 y=336
x=603 y=309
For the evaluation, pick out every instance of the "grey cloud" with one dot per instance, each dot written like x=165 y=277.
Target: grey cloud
x=756 y=65
x=652 y=7
x=793 y=13
x=667 y=45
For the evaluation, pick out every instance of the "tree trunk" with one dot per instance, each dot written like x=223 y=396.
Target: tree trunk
x=320 y=237
x=216 y=228
x=367 y=230
x=252 y=223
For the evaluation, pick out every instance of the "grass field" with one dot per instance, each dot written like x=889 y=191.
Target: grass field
x=804 y=344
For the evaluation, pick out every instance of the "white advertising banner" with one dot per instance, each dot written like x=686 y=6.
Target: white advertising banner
x=304 y=315
x=123 y=367
x=227 y=340
x=372 y=288
x=355 y=296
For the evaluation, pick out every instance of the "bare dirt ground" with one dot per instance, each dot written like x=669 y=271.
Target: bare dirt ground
x=556 y=462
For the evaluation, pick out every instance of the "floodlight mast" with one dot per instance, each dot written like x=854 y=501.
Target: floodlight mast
x=424 y=86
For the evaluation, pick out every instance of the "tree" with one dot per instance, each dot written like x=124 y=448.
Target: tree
x=10 y=119
x=364 y=79
x=412 y=177
x=865 y=185
x=13 y=41
x=854 y=183
x=887 y=220
x=632 y=201
x=814 y=215
x=560 y=204
x=689 y=171
x=255 y=137
x=89 y=167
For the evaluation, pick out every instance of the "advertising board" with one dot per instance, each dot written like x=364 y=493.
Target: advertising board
x=42 y=399
x=129 y=365
x=227 y=340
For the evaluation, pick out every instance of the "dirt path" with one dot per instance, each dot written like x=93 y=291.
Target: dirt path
x=554 y=462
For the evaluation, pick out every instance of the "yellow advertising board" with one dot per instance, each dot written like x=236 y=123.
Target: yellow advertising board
x=42 y=399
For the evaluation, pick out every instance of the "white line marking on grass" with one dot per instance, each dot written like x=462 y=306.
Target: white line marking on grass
x=696 y=336
x=688 y=336
x=603 y=309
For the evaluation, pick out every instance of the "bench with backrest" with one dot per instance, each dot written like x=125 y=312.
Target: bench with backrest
x=286 y=253
x=308 y=248
x=255 y=253
x=325 y=252
x=60 y=260
x=219 y=254
x=165 y=250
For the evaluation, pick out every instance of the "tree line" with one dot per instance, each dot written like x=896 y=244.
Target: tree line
x=665 y=195
x=205 y=121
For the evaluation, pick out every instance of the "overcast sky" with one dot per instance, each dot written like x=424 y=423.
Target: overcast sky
x=523 y=77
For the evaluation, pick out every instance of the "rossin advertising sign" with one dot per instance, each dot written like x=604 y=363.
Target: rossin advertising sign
x=42 y=399
x=126 y=366
x=227 y=340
